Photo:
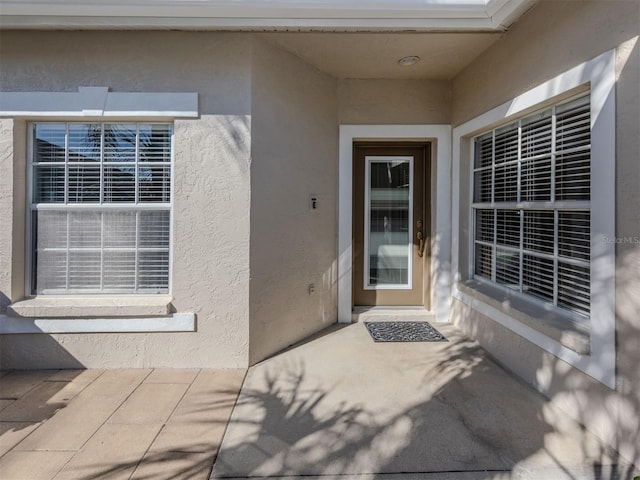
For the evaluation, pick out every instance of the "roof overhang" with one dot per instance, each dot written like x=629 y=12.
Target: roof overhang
x=264 y=15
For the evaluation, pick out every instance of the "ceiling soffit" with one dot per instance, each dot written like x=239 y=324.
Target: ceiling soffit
x=376 y=55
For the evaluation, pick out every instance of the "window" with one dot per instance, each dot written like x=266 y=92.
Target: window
x=531 y=206
x=100 y=207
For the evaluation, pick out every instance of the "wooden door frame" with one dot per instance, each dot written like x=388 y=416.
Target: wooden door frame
x=440 y=136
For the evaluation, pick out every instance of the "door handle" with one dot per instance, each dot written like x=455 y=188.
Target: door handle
x=420 y=237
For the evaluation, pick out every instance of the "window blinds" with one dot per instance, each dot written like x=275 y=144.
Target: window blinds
x=531 y=206
x=101 y=207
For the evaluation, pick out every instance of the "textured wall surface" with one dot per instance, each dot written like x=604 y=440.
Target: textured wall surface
x=294 y=155
x=552 y=38
x=394 y=102
x=211 y=177
x=6 y=211
x=246 y=245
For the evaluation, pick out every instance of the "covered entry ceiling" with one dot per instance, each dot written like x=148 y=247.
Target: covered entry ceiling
x=376 y=55
x=344 y=38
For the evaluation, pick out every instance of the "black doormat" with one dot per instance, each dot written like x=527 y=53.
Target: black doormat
x=404 y=332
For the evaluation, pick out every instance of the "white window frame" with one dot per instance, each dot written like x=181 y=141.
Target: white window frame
x=367 y=225
x=598 y=76
x=117 y=206
x=124 y=313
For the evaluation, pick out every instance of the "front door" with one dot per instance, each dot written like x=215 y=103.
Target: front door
x=390 y=224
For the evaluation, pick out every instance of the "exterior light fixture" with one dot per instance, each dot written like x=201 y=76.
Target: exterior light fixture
x=408 y=61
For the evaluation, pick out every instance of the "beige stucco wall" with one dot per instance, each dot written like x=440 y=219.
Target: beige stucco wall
x=246 y=246
x=12 y=209
x=294 y=155
x=6 y=209
x=550 y=39
x=211 y=198
x=388 y=101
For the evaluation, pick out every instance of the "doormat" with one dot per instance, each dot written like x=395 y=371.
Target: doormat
x=404 y=332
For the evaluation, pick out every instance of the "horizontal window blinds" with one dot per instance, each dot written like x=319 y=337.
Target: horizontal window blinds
x=101 y=207
x=531 y=194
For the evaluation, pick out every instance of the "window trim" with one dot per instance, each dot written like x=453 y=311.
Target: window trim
x=95 y=104
x=597 y=75
x=29 y=209
x=99 y=102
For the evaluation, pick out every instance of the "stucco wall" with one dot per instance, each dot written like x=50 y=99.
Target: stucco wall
x=6 y=211
x=387 y=101
x=294 y=155
x=211 y=178
x=550 y=39
x=265 y=141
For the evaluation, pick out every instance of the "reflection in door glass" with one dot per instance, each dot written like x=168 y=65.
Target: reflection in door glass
x=388 y=214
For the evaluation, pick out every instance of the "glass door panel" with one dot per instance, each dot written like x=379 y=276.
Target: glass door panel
x=388 y=222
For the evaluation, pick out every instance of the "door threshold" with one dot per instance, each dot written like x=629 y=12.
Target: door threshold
x=392 y=314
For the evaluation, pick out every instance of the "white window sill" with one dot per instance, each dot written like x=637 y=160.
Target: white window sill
x=547 y=322
x=95 y=314
x=65 y=306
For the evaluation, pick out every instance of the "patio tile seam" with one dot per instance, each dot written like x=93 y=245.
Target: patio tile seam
x=146 y=451
x=182 y=397
x=105 y=422
x=39 y=382
x=364 y=474
x=164 y=424
x=13 y=449
x=99 y=427
x=228 y=422
x=49 y=413
x=46 y=450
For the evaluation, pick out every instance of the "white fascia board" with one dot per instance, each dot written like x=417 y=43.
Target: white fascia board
x=219 y=14
x=504 y=13
x=253 y=9
x=248 y=24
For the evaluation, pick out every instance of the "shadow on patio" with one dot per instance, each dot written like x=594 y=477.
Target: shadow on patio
x=342 y=405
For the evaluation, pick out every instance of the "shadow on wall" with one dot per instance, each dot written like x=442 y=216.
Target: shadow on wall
x=226 y=152
x=4 y=302
x=41 y=351
x=212 y=163
x=613 y=414
x=470 y=416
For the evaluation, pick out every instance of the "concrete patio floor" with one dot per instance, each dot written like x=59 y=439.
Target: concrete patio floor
x=343 y=407
x=338 y=406
x=114 y=424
